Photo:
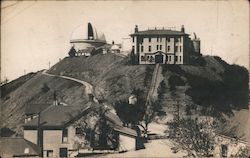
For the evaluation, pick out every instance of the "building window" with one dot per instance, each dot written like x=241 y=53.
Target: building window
x=48 y=153
x=176 y=48
x=180 y=39
x=168 y=38
x=160 y=47
x=149 y=39
x=168 y=48
x=176 y=58
x=65 y=135
x=133 y=48
x=78 y=131
x=141 y=48
x=180 y=58
x=176 y=39
x=160 y=39
x=169 y=58
x=143 y=58
x=133 y=39
x=63 y=152
x=149 y=48
x=157 y=47
x=157 y=39
x=166 y=57
x=224 y=150
x=180 y=48
x=142 y=40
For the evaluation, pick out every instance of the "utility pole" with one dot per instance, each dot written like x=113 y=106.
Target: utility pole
x=39 y=135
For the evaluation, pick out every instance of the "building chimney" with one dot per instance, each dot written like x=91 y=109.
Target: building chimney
x=136 y=28
x=182 y=29
x=55 y=103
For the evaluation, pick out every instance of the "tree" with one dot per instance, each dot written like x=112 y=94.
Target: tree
x=195 y=136
x=72 y=52
x=96 y=130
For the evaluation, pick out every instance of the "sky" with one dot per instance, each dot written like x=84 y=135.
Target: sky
x=36 y=34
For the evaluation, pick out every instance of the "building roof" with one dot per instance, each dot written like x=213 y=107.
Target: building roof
x=159 y=32
x=31 y=109
x=10 y=147
x=126 y=131
x=58 y=116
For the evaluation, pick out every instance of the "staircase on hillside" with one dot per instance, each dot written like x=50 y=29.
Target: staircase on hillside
x=152 y=87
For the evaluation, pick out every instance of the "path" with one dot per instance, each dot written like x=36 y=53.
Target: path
x=88 y=87
x=155 y=148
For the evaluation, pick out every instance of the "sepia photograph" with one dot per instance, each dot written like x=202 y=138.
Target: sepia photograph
x=125 y=79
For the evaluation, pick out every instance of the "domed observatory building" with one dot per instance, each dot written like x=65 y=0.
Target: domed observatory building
x=85 y=39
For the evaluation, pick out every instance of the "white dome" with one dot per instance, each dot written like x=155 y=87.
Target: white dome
x=115 y=47
x=81 y=32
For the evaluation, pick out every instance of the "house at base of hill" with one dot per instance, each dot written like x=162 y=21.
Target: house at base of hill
x=68 y=131
x=226 y=146
x=163 y=46
x=17 y=147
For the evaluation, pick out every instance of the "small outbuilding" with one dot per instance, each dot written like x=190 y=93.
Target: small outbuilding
x=17 y=147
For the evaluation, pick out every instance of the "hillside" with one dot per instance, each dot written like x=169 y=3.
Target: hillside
x=209 y=83
x=36 y=88
x=112 y=76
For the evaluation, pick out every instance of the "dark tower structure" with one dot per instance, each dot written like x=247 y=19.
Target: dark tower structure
x=90 y=32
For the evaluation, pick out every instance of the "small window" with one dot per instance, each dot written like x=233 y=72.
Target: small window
x=180 y=48
x=149 y=48
x=26 y=150
x=142 y=40
x=141 y=48
x=149 y=39
x=160 y=39
x=168 y=38
x=170 y=58
x=180 y=58
x=157 y=39
x=168 y=48
x=78 y=131
x=65 y=135
x=157 y=47
x=49 y=153
x=133 y=39
x=160 y=47
x=133 y=48
x=166 y=57
x=176 y=48
x=176 y=39
x=176 y=58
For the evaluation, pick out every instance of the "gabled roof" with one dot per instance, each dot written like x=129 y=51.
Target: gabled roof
x=159 y=32
x=16 y=147
x=35 y=108
x=59 y=116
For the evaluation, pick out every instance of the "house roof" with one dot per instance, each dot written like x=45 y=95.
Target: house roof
x=159 y=32
x=17 y=147
x=59 y=116
x=35 y=108
x=126 y=131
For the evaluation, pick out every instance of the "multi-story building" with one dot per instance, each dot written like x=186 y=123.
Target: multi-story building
x=164 y=46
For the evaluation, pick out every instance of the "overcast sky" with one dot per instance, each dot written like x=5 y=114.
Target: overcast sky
x=34 y=33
